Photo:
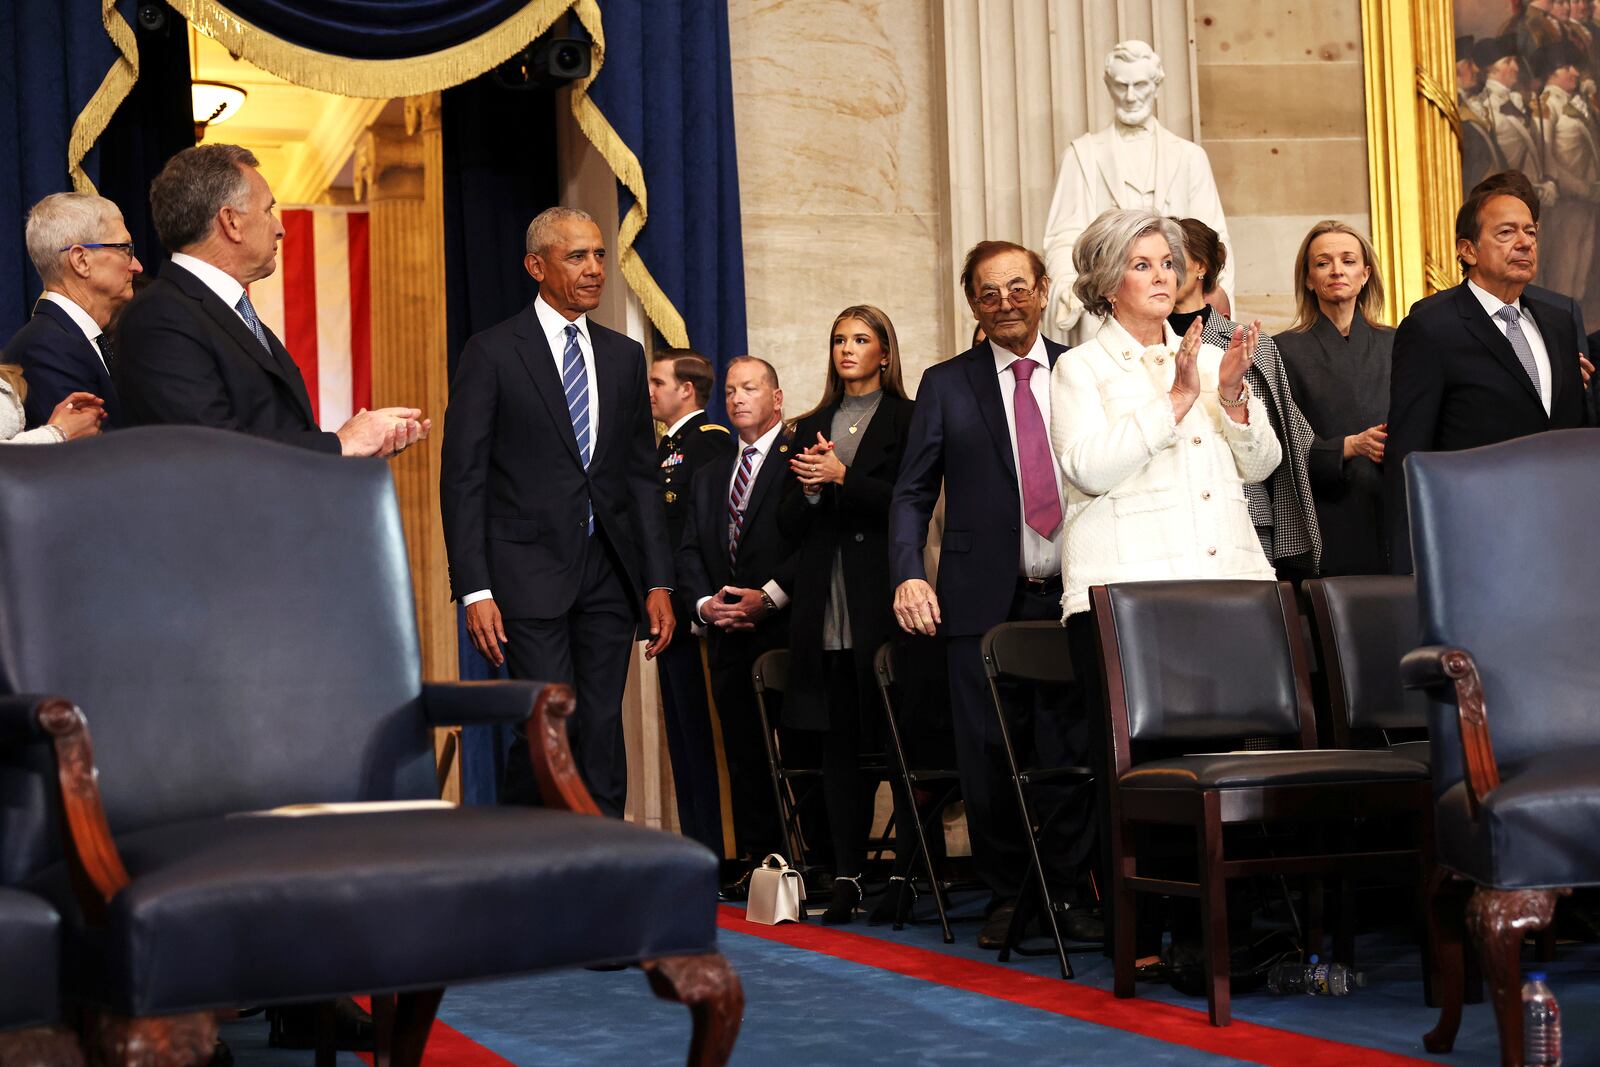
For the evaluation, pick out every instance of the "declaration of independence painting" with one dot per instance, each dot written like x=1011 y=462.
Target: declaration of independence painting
x=1526 y=73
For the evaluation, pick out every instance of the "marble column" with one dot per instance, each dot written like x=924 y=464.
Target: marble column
x=1021 y=81
x=398 y=173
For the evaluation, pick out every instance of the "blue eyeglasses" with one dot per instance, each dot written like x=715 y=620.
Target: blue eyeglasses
x=125 y=247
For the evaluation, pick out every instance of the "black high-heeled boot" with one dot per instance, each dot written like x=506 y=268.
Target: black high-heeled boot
x=846 y=898
x=895 y=904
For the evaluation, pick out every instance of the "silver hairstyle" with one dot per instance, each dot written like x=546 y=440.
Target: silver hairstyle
x=541 y=231
x=61 y=220
x=1101 y=254
x=1135 y=52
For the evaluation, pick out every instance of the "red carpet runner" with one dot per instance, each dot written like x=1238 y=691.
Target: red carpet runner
x=1149 y=1018
x=1175 y=1025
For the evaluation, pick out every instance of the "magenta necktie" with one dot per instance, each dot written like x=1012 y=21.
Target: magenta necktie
x=1041 y=501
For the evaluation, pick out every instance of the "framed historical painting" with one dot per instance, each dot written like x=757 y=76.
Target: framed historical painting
x=1528 y=102
x=1413 y=142
x=1461 y=89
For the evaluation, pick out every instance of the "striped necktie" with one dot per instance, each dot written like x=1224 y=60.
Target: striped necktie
x=738 y=497
x=575 y=384
x=247 y=312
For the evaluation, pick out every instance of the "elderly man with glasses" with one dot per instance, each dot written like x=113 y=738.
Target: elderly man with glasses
x=82 y=251
x=981 y=430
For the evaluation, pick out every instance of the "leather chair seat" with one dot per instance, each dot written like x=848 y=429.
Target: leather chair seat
x=1539 y=828
x=1414 y=750
x=30 y=957
x=1235 y=770
x=231 y=910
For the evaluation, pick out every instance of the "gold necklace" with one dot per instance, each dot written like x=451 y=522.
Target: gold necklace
x=864 y=414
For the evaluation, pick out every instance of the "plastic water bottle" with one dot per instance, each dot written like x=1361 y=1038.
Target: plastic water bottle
x=1541 y=1023
x=1314 y=979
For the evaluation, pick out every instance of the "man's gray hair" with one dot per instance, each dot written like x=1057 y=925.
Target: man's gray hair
x=194 y=185
x=62 y=220
x=542 y=230
x=1101 y=254
x=1135 y=52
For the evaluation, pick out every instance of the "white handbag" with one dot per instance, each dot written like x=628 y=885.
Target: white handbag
x=777 y=893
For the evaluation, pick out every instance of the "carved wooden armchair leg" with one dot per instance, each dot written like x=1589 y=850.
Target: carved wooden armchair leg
x=711 y=990
x=1499 y=919
x=153 y=1041
x=40 y=1046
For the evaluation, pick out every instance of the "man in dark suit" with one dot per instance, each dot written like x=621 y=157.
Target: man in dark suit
x=1484 y=362
x=190 y=347
x=84 y=255
x=680 y=385
x=736 y=569
x=979 y=419
x=552 y=517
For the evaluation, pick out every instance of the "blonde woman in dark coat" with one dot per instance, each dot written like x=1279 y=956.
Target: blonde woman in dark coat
x=1337 y=356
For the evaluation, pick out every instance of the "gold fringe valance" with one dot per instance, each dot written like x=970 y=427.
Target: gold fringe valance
x=375 y=78
x=625 y=165
x=413 y=76
x=114 y=89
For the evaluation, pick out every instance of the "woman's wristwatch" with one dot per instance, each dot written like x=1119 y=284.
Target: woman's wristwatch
x=1244 y=397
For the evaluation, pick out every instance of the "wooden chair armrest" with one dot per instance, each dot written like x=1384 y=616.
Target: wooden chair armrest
x=1437 y=665
x=559 y=783
x=98 y=873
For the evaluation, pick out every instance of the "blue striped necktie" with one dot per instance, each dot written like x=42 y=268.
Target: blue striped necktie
x=247 y=311
x=575 y=383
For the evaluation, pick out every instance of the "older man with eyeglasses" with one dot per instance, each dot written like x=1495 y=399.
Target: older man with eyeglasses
x=81 y=249
x=981 y=430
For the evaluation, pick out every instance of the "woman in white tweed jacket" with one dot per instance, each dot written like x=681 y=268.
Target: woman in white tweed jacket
x=1156 y=439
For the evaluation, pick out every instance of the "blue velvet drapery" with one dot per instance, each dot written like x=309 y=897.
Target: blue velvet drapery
x=53 y=56
x=375 y=29
x=667 y=89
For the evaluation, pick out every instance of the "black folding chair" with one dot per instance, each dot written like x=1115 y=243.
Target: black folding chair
x=770 y=675
x=909 y=779
x=1034 y=653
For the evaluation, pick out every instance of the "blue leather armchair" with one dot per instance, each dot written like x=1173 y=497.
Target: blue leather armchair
x=1509 y=604
x=235 y=617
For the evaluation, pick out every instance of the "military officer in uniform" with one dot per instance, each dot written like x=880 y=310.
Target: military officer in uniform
x=680 y=383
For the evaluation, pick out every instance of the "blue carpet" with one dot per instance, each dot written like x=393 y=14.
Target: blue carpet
x=804 y=1008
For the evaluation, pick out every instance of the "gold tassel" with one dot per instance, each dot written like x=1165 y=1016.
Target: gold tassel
x=625 y=165
x=114 y=89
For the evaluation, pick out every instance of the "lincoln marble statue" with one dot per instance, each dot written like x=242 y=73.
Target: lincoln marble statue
x=1133 y=163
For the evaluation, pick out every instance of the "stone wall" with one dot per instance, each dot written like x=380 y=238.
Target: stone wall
x=1282 y=117
x=839 y=156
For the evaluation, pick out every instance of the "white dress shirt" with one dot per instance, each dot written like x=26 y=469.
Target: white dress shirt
x=554 y=324
x=763 y=445
x=82 y=319
x=675 y=427
x=219 y=281
x=1041 y=556
x=1530 y=330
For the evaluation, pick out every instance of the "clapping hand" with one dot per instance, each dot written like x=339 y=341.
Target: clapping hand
x=817 y=466
x=1238 y=359
x=1586 y=369
x=382 y=432
x=79 y=415
x=1186 y=371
